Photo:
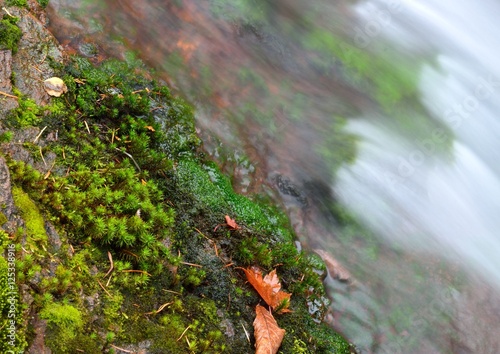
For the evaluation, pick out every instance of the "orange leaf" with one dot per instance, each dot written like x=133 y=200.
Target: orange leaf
x=268 y=336
x=269 y=289
x=231 y=223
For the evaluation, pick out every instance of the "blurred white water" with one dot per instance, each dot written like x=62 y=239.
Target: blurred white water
x=398 y=186
x=431 y=205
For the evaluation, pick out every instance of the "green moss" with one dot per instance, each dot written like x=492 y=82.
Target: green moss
x=211 y=189
x=6 y=137
x=65 y=322
x=35 y=225
x=4 y=240
x=43 y=3
x=299 y=347
x=28 y=113
x=18 y=3
x=10 y=34
x=302 y=329
x=3 y=219
x=66 y=318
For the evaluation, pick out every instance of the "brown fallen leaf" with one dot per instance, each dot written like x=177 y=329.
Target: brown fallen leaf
x=268 y=335
x=269 y=288
x=55 y=86
x=231 y=223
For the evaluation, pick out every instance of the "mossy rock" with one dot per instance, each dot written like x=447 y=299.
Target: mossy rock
x=149 y=260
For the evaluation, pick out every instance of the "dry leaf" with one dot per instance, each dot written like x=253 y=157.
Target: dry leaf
x=150 y=128
x=269 y=288
x=55 y=86
x=268 y=336
x=231 y=223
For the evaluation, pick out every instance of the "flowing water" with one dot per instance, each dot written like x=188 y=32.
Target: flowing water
x=374 y=122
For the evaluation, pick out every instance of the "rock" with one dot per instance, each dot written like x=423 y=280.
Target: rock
x=8 y=212
x=6 y=103
x=26 y=296
x=15 y=148
x=140 y=348
x=336 y=270
x=91 y=301
x=53 y=237
x=38 y=344
x=228 y=328
x=36 y=42
x=6 y=201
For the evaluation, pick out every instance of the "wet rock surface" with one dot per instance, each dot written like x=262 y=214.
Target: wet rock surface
x=36 y=42
x=31 y=64
x=6 y=103
x=5 y=189
x=38 y=345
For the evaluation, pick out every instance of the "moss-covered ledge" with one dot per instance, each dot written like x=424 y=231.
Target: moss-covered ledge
x=117 y=246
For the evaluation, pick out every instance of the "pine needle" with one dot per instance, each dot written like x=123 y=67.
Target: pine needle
x=8 y=95
x=184 y=332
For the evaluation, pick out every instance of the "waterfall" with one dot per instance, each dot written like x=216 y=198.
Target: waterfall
x=431 y=205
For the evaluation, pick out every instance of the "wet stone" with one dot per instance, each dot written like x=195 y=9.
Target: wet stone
x=228 y=328
x=53 y=237
x=38 y=344
x=36 y=42
x=286 y=187
x=6 y=201
x=6 y=103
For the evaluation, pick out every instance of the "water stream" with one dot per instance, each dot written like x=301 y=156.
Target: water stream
x=374 y=123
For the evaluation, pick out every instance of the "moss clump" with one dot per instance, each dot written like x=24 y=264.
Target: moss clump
x=18 y=3
x=28 y=113
x=3 y=219
x=10 y=34
x=6 y=137
x=65 y=323
x=4 y=240
x=35 y=225
x=212 y=190
x=67 y=318
x=43 y=3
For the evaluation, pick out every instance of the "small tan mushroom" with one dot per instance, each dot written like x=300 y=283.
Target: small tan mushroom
x=55 y=86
